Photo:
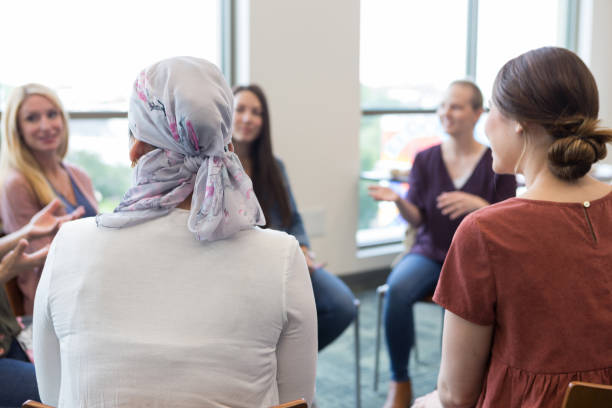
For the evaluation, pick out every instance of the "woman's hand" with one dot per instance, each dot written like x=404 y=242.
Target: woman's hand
x=380 y=193
x=45 y=222
x=16 y=261
x=310 y=260
x=457 y=203
x=430 y=400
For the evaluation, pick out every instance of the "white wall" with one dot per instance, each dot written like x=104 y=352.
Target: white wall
x=305 y=54
x=595 y=32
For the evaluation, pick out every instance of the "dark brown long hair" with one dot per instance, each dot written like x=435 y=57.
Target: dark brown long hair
x=267 y=178
x=552 y=87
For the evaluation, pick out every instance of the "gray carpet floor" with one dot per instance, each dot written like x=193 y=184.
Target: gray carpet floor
x=336 y=364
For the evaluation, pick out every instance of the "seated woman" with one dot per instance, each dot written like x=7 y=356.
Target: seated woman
x=32 y=172
x=447 y=182
x=253 y=142
x=16 y=372
x=526 y=282
x=177 y=298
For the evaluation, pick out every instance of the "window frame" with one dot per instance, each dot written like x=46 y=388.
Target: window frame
x=226 y=10
x=569 y=32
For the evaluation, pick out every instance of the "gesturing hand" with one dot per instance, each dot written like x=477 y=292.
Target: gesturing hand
x=46 y=222
x=380 y=193
x=457 y=203
x=16 y=261
x=310 y=260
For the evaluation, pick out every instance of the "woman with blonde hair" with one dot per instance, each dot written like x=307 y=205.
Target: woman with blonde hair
x=526 y=282
x=33 y=171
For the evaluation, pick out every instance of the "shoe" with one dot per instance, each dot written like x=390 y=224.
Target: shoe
x=400 y=395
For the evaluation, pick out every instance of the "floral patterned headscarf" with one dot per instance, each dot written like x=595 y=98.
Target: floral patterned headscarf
x=184 y=107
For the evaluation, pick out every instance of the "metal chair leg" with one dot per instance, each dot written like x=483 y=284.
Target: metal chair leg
x=417 y=355
x=380 y=293
x=441 y=330
x=357 y=358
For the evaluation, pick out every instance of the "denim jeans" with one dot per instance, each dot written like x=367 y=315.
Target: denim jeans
x=17 y=378
x=335 y=307
x=413 y=278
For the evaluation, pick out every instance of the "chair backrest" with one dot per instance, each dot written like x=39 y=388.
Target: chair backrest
x=293 y=404
x=34 y=404
x=583 y=394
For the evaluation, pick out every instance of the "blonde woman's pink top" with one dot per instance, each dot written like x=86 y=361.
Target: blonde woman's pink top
x=18 y=203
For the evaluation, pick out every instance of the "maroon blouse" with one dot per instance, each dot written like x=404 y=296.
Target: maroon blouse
x=429 y=178
x=540 y=272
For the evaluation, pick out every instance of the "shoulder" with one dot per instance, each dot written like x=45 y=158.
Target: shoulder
x=493 y=211
x=268 y=242
x=16 y=186
x=282 y=169
x=77 y=171
x=14 y=178
x=495 y=219
x=280 y=164
x=268 y=239
x=430 y=152
x=428 y=157
x=77 y=228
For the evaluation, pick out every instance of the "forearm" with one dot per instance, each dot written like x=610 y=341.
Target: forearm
x=448 y=400
x=409 y=212
x=8 y=242
x=481 y=203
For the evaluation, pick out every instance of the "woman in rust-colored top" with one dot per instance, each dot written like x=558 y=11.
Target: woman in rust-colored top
x=527 y=282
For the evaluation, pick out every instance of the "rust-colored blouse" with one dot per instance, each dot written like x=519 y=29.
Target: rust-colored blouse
x=540 y=272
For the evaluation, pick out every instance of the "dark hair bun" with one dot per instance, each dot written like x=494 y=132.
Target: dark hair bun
x=578 y=145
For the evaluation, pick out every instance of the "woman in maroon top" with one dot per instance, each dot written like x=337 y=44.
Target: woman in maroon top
x=527 y=283
x=447 y=182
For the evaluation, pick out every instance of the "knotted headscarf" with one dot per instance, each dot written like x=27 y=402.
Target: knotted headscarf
x=184 y=107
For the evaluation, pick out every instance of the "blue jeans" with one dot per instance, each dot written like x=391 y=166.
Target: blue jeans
x=413 y=278
x=17 y=378
x=335 y=307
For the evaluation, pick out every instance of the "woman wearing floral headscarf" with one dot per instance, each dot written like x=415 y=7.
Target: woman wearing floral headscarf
x=178 y=299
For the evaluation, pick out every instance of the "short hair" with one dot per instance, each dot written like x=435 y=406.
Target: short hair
x=476 y=99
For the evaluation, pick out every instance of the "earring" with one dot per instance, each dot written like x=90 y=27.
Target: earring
x=134 y=163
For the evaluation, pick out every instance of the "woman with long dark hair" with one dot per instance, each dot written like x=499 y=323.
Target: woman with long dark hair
x=253 y=144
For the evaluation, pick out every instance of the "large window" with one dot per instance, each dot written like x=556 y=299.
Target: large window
x=90 y=53
x=410 y=51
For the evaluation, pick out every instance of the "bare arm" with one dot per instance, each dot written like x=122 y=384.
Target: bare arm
x=16 y=261
x=409 y=211
x=466 y=347
x=12 y=247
